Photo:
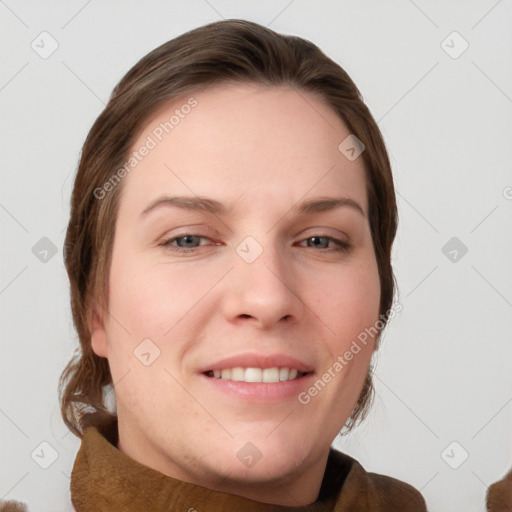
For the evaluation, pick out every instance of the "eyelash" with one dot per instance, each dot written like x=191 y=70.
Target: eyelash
x=342 y=246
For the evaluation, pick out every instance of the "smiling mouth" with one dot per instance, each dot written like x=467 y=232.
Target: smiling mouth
x=255 y=375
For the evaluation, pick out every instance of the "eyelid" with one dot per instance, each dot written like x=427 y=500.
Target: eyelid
x=184 y=235
x=340 y=246
x=194 y=229
x=342 y=236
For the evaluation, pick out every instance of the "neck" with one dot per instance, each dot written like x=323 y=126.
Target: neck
x=275 y=480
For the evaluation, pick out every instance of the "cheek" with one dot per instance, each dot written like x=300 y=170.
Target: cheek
x=144 y=306
x=149 y=301
x=157 y=302
x=349 y=303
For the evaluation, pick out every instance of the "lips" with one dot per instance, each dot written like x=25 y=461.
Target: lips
x=256 y=374
x=253 y=360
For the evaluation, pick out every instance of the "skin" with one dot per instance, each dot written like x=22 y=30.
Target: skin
x=261 y=150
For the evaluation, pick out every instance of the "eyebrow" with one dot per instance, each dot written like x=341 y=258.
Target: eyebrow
x=315 y=205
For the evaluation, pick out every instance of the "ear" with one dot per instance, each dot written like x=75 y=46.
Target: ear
x=98 y=334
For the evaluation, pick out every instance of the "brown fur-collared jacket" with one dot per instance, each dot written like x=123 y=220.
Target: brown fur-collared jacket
x=499 y=495
x=104 y=479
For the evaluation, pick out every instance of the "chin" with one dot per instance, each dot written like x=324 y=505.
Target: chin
x=260 y=458
x=266 y=469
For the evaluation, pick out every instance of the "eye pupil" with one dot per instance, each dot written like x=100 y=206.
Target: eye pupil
x=188 y=239
x=317 y=238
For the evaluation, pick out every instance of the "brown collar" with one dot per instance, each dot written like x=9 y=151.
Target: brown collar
x=105 y=479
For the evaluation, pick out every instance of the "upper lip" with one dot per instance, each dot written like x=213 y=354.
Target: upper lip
x=253 y=360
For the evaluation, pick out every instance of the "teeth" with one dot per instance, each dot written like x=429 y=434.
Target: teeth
x=256 y=374
x=270 y=375
x=236 y=374
x=252 y=374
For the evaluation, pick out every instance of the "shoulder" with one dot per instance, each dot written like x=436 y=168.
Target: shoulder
x=397 y=494
x=18 y=506
x=380 y=493
x=499 y=495
x=13 y=506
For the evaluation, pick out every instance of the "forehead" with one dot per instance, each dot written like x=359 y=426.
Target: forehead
x=269 y=145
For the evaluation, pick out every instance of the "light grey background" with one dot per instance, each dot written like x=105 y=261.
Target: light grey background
x=444 y=369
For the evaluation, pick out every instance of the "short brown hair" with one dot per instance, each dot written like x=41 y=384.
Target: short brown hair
x=221 y=52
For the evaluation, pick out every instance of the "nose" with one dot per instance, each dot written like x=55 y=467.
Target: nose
x=264 y=292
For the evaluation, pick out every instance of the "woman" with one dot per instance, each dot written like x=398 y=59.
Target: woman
x=228 y=252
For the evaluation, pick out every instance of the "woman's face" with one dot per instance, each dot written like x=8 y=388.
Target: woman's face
x=253 y=273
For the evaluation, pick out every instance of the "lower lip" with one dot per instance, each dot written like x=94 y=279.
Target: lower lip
x=268 y=392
